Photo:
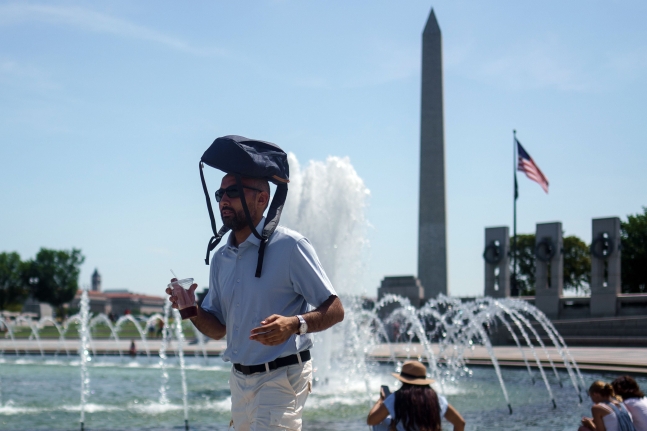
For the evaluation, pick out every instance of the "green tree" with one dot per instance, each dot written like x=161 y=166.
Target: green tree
x=633 y=234
x=525 y=254
x=54 y=276
x=13 y=291
x=577 y=264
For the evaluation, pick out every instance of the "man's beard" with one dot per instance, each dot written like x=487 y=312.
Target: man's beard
x=236 y=221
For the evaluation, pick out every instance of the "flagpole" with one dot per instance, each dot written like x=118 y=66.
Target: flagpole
x=514 y=290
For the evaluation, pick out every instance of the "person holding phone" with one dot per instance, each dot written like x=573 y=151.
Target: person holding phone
x=415 y=406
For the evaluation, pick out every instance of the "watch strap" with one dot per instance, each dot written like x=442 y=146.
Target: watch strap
x=303 y=325
x=189 y=312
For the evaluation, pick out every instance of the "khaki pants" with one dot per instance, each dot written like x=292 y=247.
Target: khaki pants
x=270 y=401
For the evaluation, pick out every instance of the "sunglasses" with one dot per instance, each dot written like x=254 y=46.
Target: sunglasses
x=232 y=192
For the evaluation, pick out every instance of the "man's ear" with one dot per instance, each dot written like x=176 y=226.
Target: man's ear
x=263 y=199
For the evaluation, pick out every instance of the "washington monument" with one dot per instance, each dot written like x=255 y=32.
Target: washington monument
x=432 y=231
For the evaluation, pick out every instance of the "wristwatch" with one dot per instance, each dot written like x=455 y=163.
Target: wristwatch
x=303 y=326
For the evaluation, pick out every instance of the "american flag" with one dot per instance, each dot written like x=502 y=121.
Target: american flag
x=527 y=165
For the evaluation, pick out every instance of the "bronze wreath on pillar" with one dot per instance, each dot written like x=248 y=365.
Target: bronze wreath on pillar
x=545 y=250
x=492 y=253
x=602 y=246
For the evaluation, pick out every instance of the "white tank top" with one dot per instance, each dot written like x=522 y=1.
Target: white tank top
x=638 y=409
x=610 y=420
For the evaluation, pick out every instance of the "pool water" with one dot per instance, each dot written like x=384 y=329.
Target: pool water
x=44 y=394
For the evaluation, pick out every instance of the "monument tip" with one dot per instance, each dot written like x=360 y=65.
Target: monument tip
x=432 y=24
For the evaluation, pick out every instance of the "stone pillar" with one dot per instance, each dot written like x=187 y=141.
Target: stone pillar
x=497 y=262
x=549 y=268
x=432 y=230
x=605 y=266
x=407 y=286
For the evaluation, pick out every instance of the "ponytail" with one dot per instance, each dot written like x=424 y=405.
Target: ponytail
x=604 y=389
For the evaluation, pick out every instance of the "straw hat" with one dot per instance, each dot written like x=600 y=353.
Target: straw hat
x=413 y=373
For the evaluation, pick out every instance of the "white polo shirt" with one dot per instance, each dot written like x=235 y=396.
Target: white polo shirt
x=292 y=279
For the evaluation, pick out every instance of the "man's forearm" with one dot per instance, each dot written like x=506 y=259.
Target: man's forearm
x=209 y=325
x=326 y=315
x=276 y=329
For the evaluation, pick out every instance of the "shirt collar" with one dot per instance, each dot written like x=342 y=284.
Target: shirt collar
x=251 y=239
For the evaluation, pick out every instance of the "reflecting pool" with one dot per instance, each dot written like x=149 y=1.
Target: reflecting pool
x=44 y=393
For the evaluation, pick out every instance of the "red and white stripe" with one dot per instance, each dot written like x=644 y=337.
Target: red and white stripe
x=532 y=171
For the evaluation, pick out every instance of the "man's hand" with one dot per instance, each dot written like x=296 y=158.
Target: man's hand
x=275 y=330
x=180 y=297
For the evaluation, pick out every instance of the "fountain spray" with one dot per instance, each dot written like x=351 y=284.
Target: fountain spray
x=84 y=353
x=162 y=353
x=179 y=334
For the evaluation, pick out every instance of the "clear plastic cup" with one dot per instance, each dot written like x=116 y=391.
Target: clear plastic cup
x=179 y=288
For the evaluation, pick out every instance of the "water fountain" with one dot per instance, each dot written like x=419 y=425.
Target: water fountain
x=442 y=333
x=454 y=325
x=84 y=354
x=162 y=354
x=180 y=346
x=443 y=330
x=334 y=223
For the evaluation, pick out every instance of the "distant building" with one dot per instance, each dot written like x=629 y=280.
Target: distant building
x=115 y=301
x=37 y=309
x=97 y=301
x=122 y=301
x=96 y=281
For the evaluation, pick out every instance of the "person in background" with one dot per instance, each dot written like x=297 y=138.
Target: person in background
x=160 y=328
x=415 y=406
x=151 y=330
x=634 y=400
x=609 y=414
x=133 y=350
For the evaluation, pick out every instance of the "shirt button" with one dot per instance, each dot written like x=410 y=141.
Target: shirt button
x=238 y=281
x=238 y=305
x=240 y=257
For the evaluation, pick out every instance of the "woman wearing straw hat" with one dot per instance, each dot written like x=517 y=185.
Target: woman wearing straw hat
x=415 y=406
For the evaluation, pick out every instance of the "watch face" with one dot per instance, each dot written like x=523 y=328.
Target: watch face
x=303 y=326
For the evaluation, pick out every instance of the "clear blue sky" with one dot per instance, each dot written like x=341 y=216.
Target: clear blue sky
x=106 y=108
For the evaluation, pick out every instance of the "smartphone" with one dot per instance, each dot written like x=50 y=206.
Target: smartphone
x=386 y=391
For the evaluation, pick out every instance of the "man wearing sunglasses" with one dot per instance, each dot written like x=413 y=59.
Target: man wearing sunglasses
x=266 y=320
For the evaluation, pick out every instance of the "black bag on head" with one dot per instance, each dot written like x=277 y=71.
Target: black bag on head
x=243 y=157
